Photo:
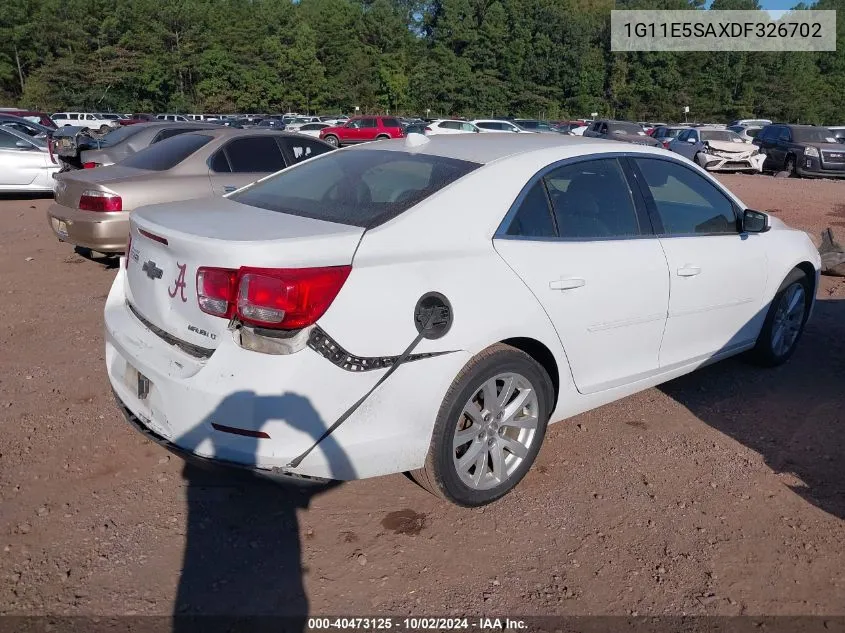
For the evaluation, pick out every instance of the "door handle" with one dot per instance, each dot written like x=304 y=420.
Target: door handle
x=566 y=284
x=688 y=271
x=229 y=188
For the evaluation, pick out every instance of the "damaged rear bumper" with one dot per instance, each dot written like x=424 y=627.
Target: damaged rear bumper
x=274 y=473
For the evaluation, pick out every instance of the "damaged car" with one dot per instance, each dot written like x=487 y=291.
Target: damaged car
x=78 y=148
x=718 y=149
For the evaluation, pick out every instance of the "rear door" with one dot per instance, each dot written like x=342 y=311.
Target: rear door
x=369 y=129
x=243 y=160
x=717 y=274
x=595 y=266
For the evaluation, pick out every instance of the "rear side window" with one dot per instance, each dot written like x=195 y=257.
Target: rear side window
x=167 y=154
x=257 y=154
x=390 y=122
x=686 y=202
x=361 y=188
x=534 y=217
x=368 y=123
x=591 y=200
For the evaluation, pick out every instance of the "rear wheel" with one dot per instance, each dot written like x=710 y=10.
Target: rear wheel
x=332 y=140
x=104 y=129
x=382 y=137
x=489 y=428
x=784 y=321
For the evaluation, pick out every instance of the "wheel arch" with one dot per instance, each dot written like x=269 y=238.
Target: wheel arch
x=544 y=356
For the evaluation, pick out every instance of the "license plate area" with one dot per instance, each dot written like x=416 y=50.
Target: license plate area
x=137 y=382
x=61 y=228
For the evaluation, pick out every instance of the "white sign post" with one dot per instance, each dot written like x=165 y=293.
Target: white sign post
x=686 y=111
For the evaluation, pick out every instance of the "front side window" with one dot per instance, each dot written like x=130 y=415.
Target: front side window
x=467 y=127
x=686 y=202
x=785 y=135
x=258 y=154
x=592 y=200
x=8 y=141
x=368 y=123
x=363 y=188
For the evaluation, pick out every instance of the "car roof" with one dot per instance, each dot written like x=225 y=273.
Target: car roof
x=486 y=148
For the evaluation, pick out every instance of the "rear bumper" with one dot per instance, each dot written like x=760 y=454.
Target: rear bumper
x=277 y=474
x=283 y=402
x=103 y=232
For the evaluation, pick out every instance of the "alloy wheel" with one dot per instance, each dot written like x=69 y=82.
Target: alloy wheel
x=788 y=318
x=495 y=431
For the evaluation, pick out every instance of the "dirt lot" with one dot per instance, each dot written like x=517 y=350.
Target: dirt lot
x=719 y=493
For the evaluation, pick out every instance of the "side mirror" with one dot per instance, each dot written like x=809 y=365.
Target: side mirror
x=691 y=140
x=23 y=145
x=754 y=221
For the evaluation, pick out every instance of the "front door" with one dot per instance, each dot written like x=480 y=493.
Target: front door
x=582 y=242
x=717 y=274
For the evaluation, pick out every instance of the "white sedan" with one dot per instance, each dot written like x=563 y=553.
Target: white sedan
x=450 y=126
x=428 y=305
x=25 y=163
x=310 y=129
x=498 y=125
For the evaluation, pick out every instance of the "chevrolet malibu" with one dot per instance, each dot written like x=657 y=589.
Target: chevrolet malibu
x=428 y=305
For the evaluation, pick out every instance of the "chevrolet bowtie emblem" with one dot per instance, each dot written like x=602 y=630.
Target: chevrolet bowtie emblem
x=153 y=271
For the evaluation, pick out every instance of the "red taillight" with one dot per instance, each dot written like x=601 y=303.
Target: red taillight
x=275 y=298
x=90 y=165
x=100 y=201
x=666 y=144
x=428 y=129
x=50 y=150
x=216 y=289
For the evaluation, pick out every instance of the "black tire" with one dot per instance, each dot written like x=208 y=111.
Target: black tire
x=331 y=139
x=439 y=475
x=765 y=352
x=104 y=129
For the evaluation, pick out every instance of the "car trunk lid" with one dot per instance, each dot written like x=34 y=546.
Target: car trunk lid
x=70 y=185
x=170 y=242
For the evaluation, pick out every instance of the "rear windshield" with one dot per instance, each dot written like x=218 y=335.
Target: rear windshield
x=625 y=128
x=813 y=135
x=168 y=153
x=361 y=188
x=117 y=135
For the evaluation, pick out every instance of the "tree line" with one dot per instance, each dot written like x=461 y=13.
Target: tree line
x=533 y=58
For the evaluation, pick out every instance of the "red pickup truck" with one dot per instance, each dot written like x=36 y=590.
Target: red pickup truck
x=361 y=129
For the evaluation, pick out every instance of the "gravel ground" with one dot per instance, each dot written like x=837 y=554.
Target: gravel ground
x=718 y=493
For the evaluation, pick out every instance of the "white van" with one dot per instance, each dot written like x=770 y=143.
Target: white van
x=88 y=120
